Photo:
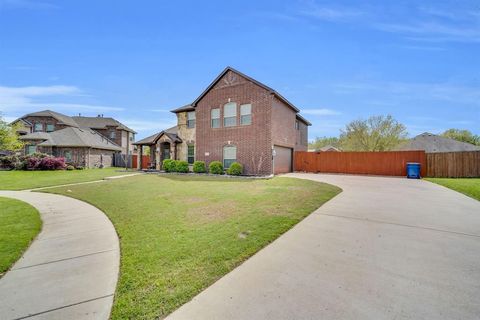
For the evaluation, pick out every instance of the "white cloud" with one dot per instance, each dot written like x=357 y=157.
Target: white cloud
x=26 y=98
x=320 y=112
x=148 y=125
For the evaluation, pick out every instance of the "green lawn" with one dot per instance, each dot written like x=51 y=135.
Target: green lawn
x=467 y=186
x=19 y=180
x=179 y=234
x=19 y=224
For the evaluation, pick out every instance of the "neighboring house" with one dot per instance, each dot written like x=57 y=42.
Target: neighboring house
x=79 y=146
x=92 y=140
x=431 y=143
x=329 y=148
x=238 y=119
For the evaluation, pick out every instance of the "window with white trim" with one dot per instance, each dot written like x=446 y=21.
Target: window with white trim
x=230 y=114
x=245 y=114
x=191 y=154
x=113 y=134
x=215 y=114
x=31 y=149
x=67 y=154
x=229 y=156
x=191 y=119
x=50 y=127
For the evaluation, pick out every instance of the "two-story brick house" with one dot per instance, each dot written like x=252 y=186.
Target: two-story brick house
x=238 y=119
x=85 y=141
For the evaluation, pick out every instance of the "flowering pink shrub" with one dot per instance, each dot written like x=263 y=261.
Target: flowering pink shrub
x=45 y=163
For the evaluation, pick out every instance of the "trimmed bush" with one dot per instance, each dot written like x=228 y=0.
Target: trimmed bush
x=169 y=165
x=199 y=167
x=181 y=166
x=235 y=169
x=215 y=167
x=8 y=162
x=70 y=167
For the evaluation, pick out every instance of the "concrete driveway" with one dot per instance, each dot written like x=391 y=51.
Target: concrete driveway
x=385 y=248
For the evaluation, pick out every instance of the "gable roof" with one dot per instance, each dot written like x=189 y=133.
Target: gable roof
x=170 y=132
x=100 y=123
x=299 y=117
x=73 y=137
x=49 y=113
x=434 y=143
x=192 y=106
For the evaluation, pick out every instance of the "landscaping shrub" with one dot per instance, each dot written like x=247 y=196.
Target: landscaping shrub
x=40 y=162
x=215 y=167
x=79 y=167
x=169 y=165
x=8 y=162
x=70 y=167
x=235 y=169
x=181 y=166
x=199 y=167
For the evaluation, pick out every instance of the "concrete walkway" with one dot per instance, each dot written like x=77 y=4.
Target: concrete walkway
x=70 y=271
x=385 y=248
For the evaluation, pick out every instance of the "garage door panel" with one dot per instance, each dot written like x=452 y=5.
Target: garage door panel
x=282 y=160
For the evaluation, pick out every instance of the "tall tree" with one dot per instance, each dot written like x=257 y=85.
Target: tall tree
x=377 y=133
x=8 y=136
x=462 y=135
x=320 y=142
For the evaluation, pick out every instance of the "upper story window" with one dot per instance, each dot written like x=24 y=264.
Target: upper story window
x=132 y=137
x=38 y=127
x=50 y=127
x=113 y=134
x=229 y=155
x=191 y=119
x=191 y=154
x=215 y=118
x=297 y=125
x=230 y=114
x=245 y=114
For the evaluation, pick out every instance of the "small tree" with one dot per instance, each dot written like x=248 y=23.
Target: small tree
x=8 y=136
x=462 y=135
x=377 y=133
x=320 y=142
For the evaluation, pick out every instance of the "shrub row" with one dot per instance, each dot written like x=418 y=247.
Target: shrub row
x=35 y=161
x=215 y=167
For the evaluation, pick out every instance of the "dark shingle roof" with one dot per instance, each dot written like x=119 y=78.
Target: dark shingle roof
x=73 y=137
x=433 y=143
x=170 y=132
x=99 y=123
x=49 y=113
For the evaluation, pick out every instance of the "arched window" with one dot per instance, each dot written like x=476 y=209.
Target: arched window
x=230 y=114
x=229 y=155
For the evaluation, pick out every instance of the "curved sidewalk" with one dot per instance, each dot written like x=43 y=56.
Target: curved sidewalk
x=385 y=248
x=70 y=271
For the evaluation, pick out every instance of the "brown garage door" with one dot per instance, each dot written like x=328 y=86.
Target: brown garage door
x=282 y=162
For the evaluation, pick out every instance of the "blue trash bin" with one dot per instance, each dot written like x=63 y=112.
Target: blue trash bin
x=413 y=170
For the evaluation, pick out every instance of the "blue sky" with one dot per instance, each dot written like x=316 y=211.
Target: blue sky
x=336 y=60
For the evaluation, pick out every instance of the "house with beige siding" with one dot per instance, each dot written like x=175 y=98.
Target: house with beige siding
x=235 y=119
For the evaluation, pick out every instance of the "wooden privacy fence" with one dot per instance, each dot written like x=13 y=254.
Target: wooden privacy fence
x=453 y=164
x=390 y=163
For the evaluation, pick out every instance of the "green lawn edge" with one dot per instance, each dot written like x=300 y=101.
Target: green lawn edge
x=190 y=254
x=468 y=186
x=20 y=223
x=24 y=180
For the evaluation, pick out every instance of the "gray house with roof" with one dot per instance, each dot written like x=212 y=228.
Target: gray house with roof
x=432 y=143
x=83 y=141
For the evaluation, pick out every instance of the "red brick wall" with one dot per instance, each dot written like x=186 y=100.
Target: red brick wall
x=301 y=143
x=253 y=141
x=283 y=124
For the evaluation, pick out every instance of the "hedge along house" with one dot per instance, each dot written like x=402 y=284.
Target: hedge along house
x=79 y=146
x=236 y=119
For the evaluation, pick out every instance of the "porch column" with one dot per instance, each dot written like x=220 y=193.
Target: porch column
x=157 y=156
x=139 y=157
